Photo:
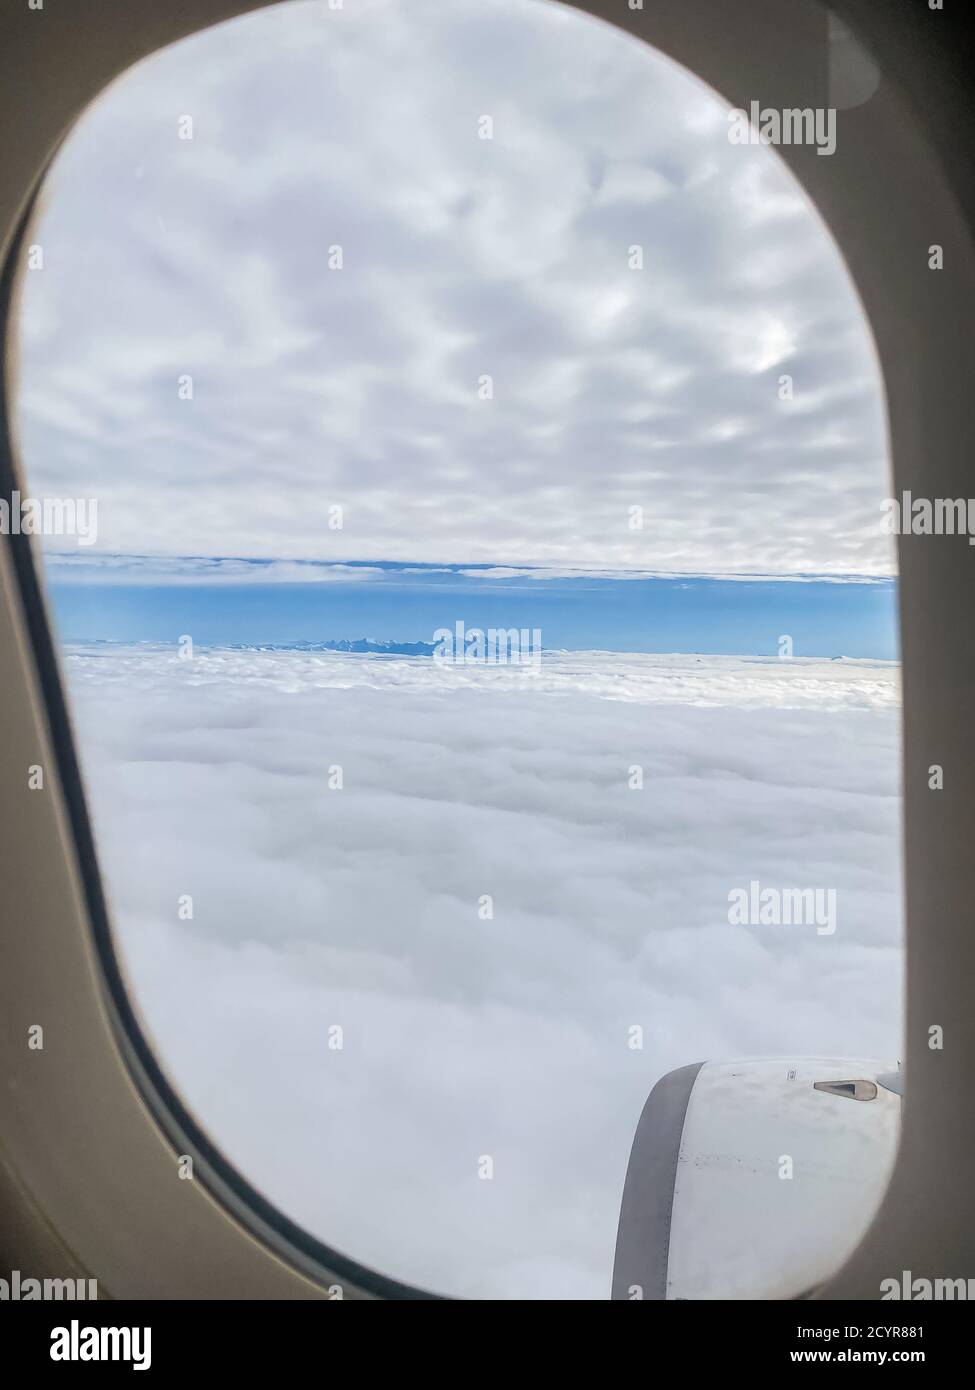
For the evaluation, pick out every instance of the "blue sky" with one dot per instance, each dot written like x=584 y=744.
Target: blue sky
x=647 y=614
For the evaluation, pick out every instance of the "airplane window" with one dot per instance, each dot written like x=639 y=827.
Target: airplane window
x=458 y=455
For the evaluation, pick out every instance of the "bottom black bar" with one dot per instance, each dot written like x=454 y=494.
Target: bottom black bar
x=174 y=1339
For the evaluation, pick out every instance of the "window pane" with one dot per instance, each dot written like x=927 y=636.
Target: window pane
x=486 y=607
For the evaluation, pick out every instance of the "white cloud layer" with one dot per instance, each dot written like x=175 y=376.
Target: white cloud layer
x=466 y=1037
x=357 y=387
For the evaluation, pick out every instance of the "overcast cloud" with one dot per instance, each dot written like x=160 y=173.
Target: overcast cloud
x=462 y=257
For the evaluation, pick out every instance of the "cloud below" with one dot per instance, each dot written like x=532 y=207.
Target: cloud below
x=464 y=1037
